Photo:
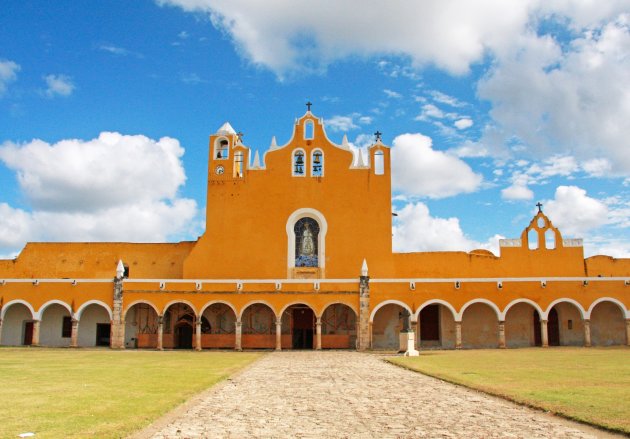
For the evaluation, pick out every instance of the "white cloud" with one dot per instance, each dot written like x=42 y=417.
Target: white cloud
x=347 y=123
x=114 y=49
x=8 y=74
x=574 y=212
x=392 y=94
x=443 y=98
x=597 y=167
x=420 y=170
x=463 y=123
x=58 y=85
x=430 y=111
x=114 y=187
x=517 y=191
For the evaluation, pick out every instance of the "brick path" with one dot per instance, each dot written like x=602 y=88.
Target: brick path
x=348 y=394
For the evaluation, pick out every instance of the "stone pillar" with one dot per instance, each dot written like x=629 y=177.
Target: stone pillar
x=0 y=329
x=35 y=341
x=198 y=335
x=117 y=340
x=458 y=335
x=371 y=337
x=74 y=335
x=279 y=335
x=160 y=334
x=587 y=333
x=544 y=334
x=318 y=333
x=237 y=343
x=501 y=334
x=628 y=332
x=364 y=313
x=415 y=327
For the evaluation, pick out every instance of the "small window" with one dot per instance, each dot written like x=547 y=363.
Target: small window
x=550 y=239
x=532 y=239
x=66 y=327
x=238 y=164
x=569 y=324
x=541 y=222
x=222 y=149
x=317 y=163
x=126 y=272
x=299 y=164
x=309 y=130
x=379 y=163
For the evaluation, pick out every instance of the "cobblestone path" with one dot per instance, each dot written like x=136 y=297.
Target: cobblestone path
x=347 y=395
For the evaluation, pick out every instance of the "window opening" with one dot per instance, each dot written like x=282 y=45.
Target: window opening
x=379 y=163
x=309 y=130
x=222 y=151
x=550 y=239
x=238 y=164
x=318 y=164
x=66 y=327
x=306 y=246
x=532 y=239
x=541 y=223
x=298 y=163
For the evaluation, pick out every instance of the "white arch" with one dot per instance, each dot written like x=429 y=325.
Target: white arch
x=173 y=302
x=3 y=310
x=435 y=301
x=293 y=154
x=388 y=302
x=564 y=299
x=321 y=238
x=322 y=163
x=214 y=302
x=42 y=308
x=296 y=303
x=94 y=302
x=338 y=302
x=253 y=302
x=132 y=304
x=624 y=311
x=522 y=300
x=472 y=302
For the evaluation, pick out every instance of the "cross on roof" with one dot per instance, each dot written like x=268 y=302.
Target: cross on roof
x=239 y=136
x=308 y=105
x=539 y=205
x=378 y=135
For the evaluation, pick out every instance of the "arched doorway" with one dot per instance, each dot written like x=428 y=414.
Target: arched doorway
x=298 y=322
x=218 y=326
x=388 y=321
x=553 y=328
x=184 y=334
x=141 y=326
x=522 y=326
x=565 y=326
x=94 y=326
x=480 y=326
x=55 y=327
x=608 y=326
x=258 y=327
x=339 y=327
x=178 y=326
x=436 y=326
x=17 y=325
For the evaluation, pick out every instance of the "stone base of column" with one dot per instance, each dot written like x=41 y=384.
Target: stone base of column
x=117 y=334
x=408 y=344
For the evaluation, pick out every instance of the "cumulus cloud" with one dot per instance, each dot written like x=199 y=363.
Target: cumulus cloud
x=574 y=212
x=8 y=74
x=348 y=122
x=420 y=170
x=58 y=85
x=463 y=123
x=114 y=187
x=517 y=191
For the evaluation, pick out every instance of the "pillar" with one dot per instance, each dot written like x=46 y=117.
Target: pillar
x=544 y=334
x=0 y=330
x=74 y=335
x=198 y=335
x=501 y=334
x=364 y=334
x=237 y=343
x=415 y=327
x=458 y=335
x=318 y=334
x=35 y=341
x=160 y=333
x=587 y=333
x=370 y=335
x=627 y=331
x=279 y=335
x=117 y=334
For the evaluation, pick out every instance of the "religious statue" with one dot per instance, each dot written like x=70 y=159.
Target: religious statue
x=308 y=245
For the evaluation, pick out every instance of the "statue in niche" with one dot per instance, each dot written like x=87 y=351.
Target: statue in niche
x=306 y=233
x=308 y=246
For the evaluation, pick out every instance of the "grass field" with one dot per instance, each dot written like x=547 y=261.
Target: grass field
x=590 y=385
x=58 y=393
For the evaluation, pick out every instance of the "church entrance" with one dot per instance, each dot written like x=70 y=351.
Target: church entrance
x=183 y=336
x=303 y=328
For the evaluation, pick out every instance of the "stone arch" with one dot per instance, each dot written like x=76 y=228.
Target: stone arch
x=339 y=326
x=7 y=305
x=436 y=302
x=214 y=302
x=137 y=302
x=288 y=305
x=254 y=302
x=566 y=328
x=435 y=327
x=55 y=327
x=568 y=300
x=522 y=300
x=338 y=302
x=174 y=302
x=491 y=304
x=95 y=318
x=522 y=323
x=16 y=316
x=218 y=325
x=298 y=325
x=607 y=322
x=480 y=325
x=258 y=325
x=94 y=302
x=388 y=302
x=141 y=328
x=178 y=324
x=625 y=312
x=42 y=308
x=321 y=238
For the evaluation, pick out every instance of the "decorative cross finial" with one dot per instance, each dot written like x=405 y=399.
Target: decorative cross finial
x=378 y=135
x=308 y=105
x=539 y=205
x=239 y=136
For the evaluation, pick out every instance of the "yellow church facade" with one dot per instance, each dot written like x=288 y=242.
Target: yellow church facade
x=297 y=254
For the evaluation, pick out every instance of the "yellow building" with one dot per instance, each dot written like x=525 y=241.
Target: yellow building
x=297 y=253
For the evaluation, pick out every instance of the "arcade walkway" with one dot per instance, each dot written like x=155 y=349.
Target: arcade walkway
x=309 y=394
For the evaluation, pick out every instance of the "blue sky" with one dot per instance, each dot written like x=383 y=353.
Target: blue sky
x=106 y=108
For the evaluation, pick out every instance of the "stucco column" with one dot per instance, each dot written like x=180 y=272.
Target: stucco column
x=35 y=340
x=458 y=335
x=370 y=336
x=587 y=333
x=279 y=335
x=117 y=332
x=544 y=334
x=318 y=334
x=628 y=332
x=198 y=335
x=237 y=333
x=415 y=327
x=0 y=330
x=160 y=333
x=501 y=334
x=364 y=313
x=74 y=335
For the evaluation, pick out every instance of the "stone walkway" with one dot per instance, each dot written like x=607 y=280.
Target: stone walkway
x=352 y=395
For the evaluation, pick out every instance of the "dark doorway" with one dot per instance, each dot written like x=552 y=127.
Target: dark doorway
x=553 y=328
x=537 y=330
x=103 y=331
x=28 y=333
x=430 y=323
x=184 y=336
x=302 y=331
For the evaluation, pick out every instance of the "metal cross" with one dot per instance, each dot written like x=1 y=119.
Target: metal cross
x=539 y=205
x=308 y=105
x=378 y=135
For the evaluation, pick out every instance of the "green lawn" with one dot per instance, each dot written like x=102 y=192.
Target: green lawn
x=102 y=393
x=591 y=385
